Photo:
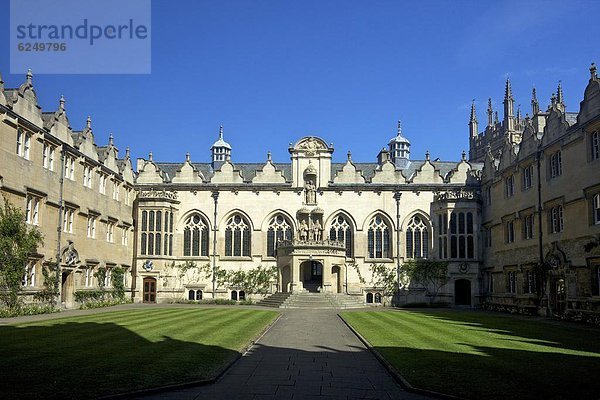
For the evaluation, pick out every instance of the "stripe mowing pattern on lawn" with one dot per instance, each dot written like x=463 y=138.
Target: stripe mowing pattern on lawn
x=100 y=354
x=482 y=355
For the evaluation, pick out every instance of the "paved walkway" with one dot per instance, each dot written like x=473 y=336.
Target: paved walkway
x=308 y=354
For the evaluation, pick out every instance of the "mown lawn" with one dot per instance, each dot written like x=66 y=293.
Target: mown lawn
x=94 y=355
x=479 y=355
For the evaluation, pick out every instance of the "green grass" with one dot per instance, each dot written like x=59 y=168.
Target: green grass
x=480 y=355
x=100 y=354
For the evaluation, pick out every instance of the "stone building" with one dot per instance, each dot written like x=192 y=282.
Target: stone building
x=78 y=194
x=518 y=222
x=321 y=223
x=541 y=206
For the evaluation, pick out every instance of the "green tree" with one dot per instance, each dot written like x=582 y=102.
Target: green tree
x=50 y=291
x=17 y=243
x=384 y=279
x=117 y=276
x=257 y=280
x=100 y=276
x=433 y=275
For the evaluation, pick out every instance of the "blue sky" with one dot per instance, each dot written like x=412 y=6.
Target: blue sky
x=274 y=71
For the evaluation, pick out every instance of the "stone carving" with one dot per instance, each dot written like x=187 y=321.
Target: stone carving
x=160 y=194
x=70 y=256
x=303 y=231
x=456 y=195
x=317 y=230
x=310 y=192
x=310 y=146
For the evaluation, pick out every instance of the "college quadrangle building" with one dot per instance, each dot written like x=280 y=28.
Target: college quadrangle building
x=517 y=218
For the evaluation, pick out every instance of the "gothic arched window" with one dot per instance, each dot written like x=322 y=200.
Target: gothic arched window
x=279 y=229
x=195 y=236
x=417 y=238
x=237 y=237
x=342 y=230
x=379 y=238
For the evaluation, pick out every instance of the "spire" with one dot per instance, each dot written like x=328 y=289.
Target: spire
x=463 y=156
x=150 y=157
x=507 y=90
x=88 y=122
x=473 y=113
x=535 y=105
x=473 y=126
x=127 y=152
x=509 y=108
x=29 y=77
x=427 y=155
x=187 y=157
x=496 y=117
x=490 y=113
x=399 y=128
x=61 y=102
x=221 y=132
x=269 y=156
x=349 y=156
x=560 y=98
x=593 y=72
x=111 y=140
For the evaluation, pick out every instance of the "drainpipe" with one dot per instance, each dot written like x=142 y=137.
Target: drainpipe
x=538 y=156
x=215 y=196
x=397 y=197
x=61 y=180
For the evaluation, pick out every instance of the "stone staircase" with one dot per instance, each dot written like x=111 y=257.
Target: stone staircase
x=312 y=300
x=275 y=300
x=342 y=300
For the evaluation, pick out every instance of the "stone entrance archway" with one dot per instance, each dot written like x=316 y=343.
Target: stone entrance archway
x=336 y=279
x=462 y=292
x=311 y=275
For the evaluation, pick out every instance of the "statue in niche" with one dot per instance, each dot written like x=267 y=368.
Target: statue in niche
x=317 y=230
x=303 y=230
x=311 y=192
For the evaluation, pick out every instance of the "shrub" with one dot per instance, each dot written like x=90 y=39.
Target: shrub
x=29 y=309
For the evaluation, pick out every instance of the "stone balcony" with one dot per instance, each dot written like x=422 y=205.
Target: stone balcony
x=310 y=247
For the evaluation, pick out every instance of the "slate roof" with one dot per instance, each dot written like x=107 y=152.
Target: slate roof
x=571 y=118
x=248 y=170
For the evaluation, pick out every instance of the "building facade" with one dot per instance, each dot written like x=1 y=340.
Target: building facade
x=79 y=195
x=541 y=206
x=517 y=222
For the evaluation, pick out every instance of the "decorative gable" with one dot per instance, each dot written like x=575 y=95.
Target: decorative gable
x=149 y=173
x=227 y=174
x=187 y=173
x=268 y=173
x=387 y=173
x=349 y=174
x=427 y=173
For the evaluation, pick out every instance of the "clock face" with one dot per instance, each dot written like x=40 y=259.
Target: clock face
x=463 y=267
x=554 y=262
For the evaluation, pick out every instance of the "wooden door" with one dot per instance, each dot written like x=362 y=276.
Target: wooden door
x=149 y=290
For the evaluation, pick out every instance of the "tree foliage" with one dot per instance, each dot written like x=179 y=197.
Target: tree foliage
x=433 y=275
x=17 y=243
x=256 y=280
x=384 y=278
x=118 y=283
x=50 y=291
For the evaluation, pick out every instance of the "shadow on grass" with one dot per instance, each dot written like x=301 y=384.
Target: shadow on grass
x=498 y=373
x=551 y=333
x=533 y=358
x=86 y=360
